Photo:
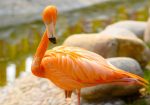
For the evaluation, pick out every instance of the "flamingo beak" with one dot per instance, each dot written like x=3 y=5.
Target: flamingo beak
x=53 y=40
x=51 y=33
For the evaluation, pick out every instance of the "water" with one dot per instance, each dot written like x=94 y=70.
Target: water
x=18 y=43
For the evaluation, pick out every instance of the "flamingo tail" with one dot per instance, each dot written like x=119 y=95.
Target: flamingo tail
x=131 y=78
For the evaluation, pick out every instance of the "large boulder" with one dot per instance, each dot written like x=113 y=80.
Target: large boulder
x=105 y=91
x=147 y=33
x=137 y=27
x=112 y=45
x=116 y=31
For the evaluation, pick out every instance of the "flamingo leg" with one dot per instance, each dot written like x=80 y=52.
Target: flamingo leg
x=78 y=95
x=68 y=97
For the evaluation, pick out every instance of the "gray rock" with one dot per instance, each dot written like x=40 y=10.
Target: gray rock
x=112 y=45
x=137 y=27
x=106 y=102
x=31 y=90
x=127 y=64
x=106 y=91
x=114 y=102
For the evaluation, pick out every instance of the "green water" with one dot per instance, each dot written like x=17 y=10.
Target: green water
x=18 y=43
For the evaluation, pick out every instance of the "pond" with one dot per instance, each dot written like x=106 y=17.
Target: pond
x=18 y=43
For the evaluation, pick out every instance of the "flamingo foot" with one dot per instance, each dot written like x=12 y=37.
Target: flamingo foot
x=68 y=101
x=68 y=97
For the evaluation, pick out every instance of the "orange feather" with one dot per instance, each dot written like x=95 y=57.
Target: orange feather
x=77 y=68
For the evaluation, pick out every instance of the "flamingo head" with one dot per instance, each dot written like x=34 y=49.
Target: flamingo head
x=49 y=17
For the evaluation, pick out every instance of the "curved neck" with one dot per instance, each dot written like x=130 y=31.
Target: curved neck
x=36 y=68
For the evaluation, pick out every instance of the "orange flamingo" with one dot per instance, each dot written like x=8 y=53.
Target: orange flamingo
x=72 y=68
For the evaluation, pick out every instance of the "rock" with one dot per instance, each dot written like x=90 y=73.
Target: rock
x=147 y=33
x=116 y=31
x=31 y=90
x=127 y=64
x=86 y=41
x=114 y=45
x=114 y=102
x=106 y=102
x=147 y=99
x=106 y=91
x=137 y=27
x=142 y=101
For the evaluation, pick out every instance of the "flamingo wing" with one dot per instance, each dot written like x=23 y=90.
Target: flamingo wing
x=84 y=67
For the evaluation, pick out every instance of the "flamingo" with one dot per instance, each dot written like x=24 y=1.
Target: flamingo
x=73 y=68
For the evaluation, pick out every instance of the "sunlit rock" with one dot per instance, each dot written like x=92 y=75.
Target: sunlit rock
x=137 y=27
x=116 y=31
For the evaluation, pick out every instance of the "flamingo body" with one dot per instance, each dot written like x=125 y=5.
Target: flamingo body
x=73 y=68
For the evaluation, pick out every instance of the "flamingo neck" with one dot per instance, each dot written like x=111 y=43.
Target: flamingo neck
x=36 y=64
